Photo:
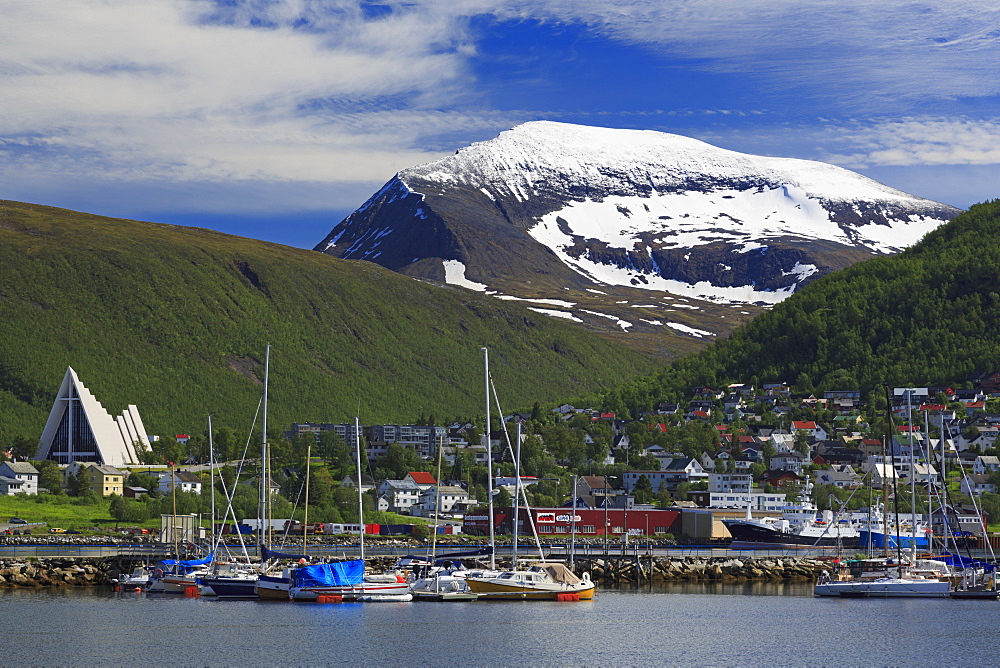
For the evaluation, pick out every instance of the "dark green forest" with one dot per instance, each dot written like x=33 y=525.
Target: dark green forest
x=927 y=316
x=176 y=320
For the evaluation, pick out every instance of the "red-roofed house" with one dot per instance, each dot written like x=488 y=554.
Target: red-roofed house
x=421 y=479
x=813 y=429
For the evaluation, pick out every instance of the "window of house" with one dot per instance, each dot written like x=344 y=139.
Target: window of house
x=544 y=529
x=660 y=530
x=562 y=529
x=588 y=528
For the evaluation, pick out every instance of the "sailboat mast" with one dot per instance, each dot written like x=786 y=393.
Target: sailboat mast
x=913 y=476
x=885 y=474
x=211 y=481
x=357 y=461
x=515 y=508
x=305 y=503
x=264 y=474
x=572 y=530
x=437 y=507
x=489 y=459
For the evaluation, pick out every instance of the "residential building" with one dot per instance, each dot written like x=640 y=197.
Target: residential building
x=977 y=484
x=399 y=495
x=180 y=481
x=100 y=479
x=983 y=464
x=23 y=474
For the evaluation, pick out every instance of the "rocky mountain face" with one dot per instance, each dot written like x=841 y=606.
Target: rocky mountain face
x=642 y=233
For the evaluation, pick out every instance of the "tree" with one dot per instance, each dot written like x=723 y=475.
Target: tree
x=77 y=484
x=49 y=476
x=643 y=490
x=126 y=510
x=502 y=498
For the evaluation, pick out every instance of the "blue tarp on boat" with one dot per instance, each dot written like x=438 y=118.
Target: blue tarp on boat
x=965 y=562
x=325 y=575
x=189 y=562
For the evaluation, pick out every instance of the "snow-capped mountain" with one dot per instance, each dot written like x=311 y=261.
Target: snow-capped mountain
x=548 y=206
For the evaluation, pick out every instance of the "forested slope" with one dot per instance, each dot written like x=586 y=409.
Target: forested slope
x=929 y=315
x=175 y=320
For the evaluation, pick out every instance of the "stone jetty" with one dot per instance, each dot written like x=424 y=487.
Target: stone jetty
x=55 y=573
x=699 y=569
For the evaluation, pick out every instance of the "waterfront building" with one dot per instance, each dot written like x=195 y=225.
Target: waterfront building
x=79 y=429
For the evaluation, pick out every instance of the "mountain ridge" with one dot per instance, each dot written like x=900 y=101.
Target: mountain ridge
x=548 y=207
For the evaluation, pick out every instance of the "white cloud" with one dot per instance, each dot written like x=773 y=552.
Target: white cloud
x=160 y=89
x=921 y=141
x=316 y=92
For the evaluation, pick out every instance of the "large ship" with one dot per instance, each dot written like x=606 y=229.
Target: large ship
x=800 y=524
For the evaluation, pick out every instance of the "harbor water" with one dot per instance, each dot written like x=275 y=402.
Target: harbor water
x=753 y=624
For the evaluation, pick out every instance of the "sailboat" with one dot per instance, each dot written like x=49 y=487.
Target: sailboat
x=540 y=580
x=239 y=580
x=444 y=580
x=888 y=577
x=346 y=580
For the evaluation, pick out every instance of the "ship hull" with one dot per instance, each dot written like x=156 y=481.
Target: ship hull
x=744 y=532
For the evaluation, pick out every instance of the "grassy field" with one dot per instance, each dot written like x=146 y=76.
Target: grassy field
x=56 y=511
x=69 y=513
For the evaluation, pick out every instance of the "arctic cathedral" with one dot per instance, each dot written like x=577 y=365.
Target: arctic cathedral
x=79 y=429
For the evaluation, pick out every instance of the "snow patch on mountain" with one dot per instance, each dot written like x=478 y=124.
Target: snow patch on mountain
x=549 y=302
x=688 y=330
x=454 y=274
x=555 y=314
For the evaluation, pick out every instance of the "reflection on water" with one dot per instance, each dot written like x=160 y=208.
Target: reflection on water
x=776 y=588
x=764 y=623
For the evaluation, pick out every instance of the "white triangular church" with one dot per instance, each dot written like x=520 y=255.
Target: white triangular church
x=81 y=430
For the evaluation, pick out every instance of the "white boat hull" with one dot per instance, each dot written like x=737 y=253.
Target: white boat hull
x=885 y=588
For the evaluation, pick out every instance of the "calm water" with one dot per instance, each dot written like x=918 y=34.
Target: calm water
x=756 y=625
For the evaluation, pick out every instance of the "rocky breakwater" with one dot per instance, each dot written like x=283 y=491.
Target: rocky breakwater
x=54 y=573
x=700 y=569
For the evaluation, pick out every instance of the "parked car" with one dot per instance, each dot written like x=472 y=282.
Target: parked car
x=57 y=530
x=17 y=520
x=72 y=531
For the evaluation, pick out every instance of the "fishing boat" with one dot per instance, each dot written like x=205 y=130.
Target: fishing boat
x=800 y=524
x=540 y=581
x=139 y=578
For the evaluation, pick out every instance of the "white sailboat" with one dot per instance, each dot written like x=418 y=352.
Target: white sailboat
x=886 y=577
x=540 y=580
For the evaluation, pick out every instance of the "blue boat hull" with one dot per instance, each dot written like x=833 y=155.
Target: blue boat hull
x=878 y=540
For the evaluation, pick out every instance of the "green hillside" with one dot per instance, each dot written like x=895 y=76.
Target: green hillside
x=175 y=320
x=927 y=316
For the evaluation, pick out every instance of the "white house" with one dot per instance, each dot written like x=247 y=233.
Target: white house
x=399 y=495
x=977 y=485
x=730 y=483
x=450 y=498
x=983 y=464
x=24 y=474
x=181 y=481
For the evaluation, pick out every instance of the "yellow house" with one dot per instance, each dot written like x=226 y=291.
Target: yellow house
x=101 y=480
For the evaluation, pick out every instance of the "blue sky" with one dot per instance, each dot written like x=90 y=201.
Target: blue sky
x=273 y=119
